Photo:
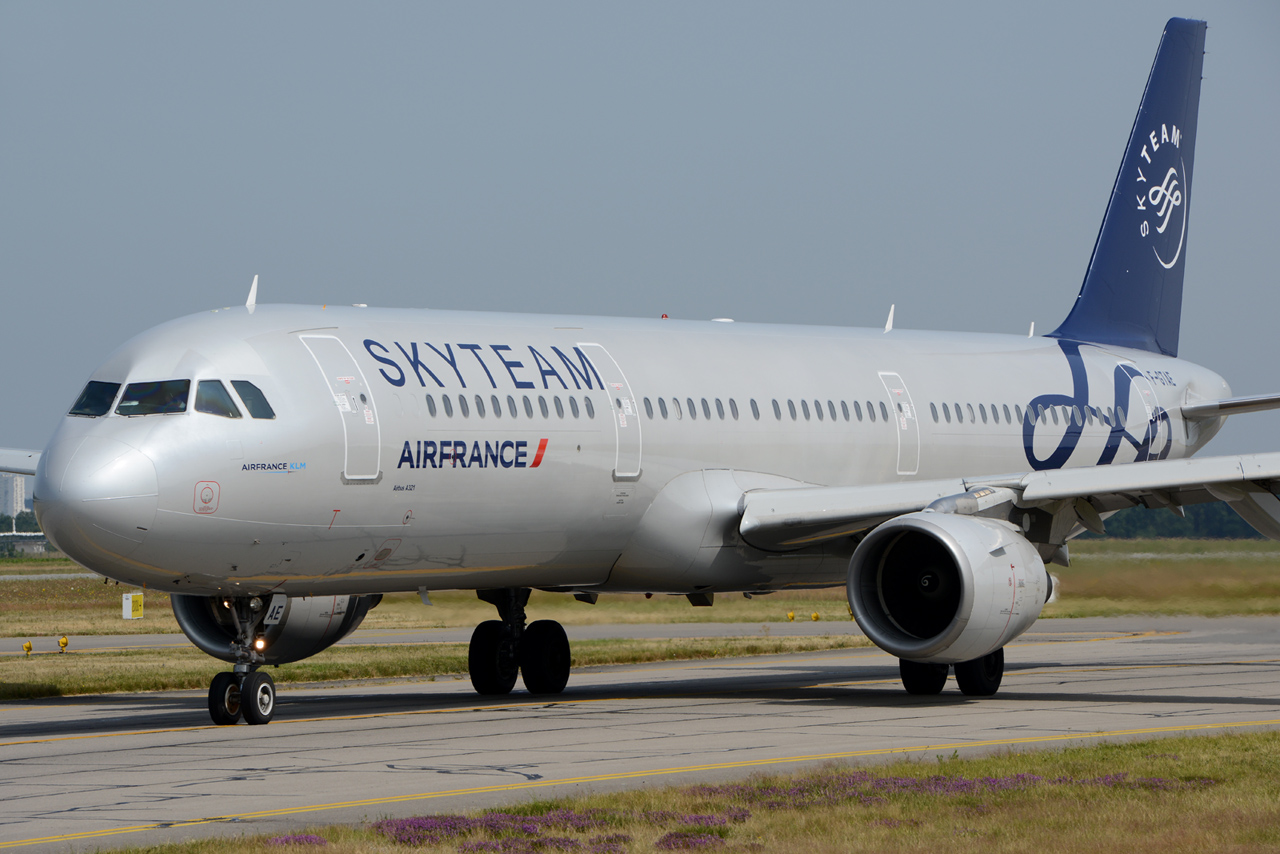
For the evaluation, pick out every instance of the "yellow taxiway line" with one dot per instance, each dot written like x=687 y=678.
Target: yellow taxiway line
x=625 y=775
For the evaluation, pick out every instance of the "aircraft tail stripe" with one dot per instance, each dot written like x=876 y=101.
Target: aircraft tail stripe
x=537 y=458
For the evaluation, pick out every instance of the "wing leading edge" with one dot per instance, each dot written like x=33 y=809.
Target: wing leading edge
x=1061 y=502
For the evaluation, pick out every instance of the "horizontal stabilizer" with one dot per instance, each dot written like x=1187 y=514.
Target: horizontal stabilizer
x=18 y=461
x=1230 y=406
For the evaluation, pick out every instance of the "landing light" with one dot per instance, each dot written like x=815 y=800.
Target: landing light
x=260 y=644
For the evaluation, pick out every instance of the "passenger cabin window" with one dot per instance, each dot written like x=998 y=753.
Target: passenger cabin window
x=160 y=398
x=256 y=402
x=755 y=410
x=573 y=407
x=496 y=405
x=933 y=407
x=431 y=405
x=591 y=409
x=733 y=408
x=662 y=407
x=777 y=412
x=212 y=397
x=844 y=410
x=884 y=413
x=692 y=410
x=648 y=408
x=95 y=400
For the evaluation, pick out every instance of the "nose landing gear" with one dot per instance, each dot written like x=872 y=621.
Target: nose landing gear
x=245 y=692
x=501 y=648
x=242 y=694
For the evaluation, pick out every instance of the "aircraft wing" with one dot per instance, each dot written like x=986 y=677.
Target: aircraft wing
x=19 y=461
x=785 y=519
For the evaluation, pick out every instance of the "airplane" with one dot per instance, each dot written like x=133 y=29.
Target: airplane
x=276 y=469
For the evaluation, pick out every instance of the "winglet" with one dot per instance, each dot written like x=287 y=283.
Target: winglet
x=888 y=324
x=252 y=302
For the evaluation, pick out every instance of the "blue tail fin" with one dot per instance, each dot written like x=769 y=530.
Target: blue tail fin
x=1132 y=291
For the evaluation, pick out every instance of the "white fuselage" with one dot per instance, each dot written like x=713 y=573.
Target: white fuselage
x=385 y=471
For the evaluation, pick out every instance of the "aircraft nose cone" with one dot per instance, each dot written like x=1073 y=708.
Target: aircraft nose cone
x=98 y=497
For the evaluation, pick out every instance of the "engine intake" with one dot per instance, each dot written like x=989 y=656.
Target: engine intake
x=309 y=624
x=941 y=588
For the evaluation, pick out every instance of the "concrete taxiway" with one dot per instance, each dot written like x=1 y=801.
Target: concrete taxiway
x=100 y=772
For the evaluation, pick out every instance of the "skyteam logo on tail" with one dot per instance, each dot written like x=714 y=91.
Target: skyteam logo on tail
x=1160 y=194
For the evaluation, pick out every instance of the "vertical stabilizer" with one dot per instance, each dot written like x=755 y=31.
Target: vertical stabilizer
x=1132 y=291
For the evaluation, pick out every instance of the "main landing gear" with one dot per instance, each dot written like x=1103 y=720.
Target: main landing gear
x=977 y=678
x=245 y=692
x=501 y=648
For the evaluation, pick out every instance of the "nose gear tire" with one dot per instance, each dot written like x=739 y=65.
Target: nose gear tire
x=224 y=699
x=258 y=698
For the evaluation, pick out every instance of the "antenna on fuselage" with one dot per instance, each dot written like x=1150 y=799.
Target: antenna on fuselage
x=888 y=324
x=1032 y=333
x=252 y=302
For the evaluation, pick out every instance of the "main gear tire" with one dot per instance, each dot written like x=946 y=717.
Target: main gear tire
x=981 y=677
x=922 y=678
x=544 y=657
x=491 y=659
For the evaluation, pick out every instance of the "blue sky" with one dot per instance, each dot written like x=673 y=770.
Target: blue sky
x=808 y=163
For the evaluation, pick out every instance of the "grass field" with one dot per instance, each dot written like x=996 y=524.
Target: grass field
x=62 y=674
x=1106 y=578
x=1196 y=794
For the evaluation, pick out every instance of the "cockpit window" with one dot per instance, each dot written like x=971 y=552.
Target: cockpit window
x=96 y=399
x=154 y=398
x=253 y=398
x=212 y=397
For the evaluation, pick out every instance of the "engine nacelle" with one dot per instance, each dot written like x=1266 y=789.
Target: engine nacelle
x=308 y=624
x=941 y=588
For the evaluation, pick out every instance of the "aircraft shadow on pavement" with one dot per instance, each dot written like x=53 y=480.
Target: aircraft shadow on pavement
x=809 y=686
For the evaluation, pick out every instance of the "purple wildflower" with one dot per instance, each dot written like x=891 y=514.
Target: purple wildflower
x=688 y=840
x=298 y=839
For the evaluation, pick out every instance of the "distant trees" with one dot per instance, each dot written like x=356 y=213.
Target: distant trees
x=26 y=523
x=1214 y=521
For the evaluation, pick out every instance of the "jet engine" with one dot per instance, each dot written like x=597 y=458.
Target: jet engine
x=941 y=588
x=291 y=629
